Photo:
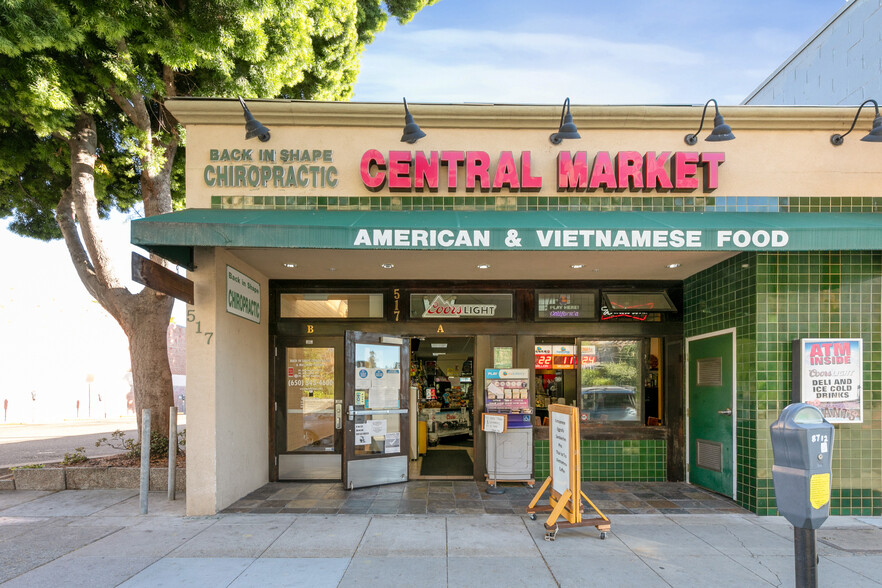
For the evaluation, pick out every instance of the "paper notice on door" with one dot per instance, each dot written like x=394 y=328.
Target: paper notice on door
x=388 y=379
x=393 y=443
x=362 y=439
x=384 y=390
x=362 y=429
x=377 y=427
x=363 y=378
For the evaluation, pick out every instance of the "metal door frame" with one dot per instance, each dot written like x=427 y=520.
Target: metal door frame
x=734 y=416
x=396 y=462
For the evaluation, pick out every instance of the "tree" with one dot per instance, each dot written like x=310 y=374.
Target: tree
x=84 y=129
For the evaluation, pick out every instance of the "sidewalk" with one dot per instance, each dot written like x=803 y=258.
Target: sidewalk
x=96 y=538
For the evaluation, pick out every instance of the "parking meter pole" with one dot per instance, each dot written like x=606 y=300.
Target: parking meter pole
x=805 y=551
x=802 y=446
x=145 y=459
x=172 y=451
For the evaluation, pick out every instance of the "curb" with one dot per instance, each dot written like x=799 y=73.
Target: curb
x=91 y=478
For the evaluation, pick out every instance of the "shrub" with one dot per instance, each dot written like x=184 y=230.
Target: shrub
x=78 y=456
x=158 y=444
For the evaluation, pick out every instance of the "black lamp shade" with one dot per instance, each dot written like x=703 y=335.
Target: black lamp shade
x=875 y=134
x=412 y=131
x=253 y=128
x=721 y=132
x=568 y=128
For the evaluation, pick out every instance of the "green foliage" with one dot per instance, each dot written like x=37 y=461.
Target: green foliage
x=619 y=368
x=119 y=441
x=78 y=456
x=63 y=58
x=158 y=444
x=32 y=466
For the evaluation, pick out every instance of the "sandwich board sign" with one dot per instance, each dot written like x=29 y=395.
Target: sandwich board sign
x=565 y=477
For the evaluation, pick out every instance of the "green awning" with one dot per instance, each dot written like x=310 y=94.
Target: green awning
x=173 y=235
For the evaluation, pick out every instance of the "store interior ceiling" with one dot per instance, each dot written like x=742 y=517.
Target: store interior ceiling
x=336 y=264
x=431 y=348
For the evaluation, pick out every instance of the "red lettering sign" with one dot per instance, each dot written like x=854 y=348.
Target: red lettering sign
x=371 y=158
x=624 y=170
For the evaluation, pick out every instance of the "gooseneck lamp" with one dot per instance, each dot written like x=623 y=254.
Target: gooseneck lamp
x=567 y=129
x=875 y=134
x=721 y=132
x=253 y=128
x=412 y=131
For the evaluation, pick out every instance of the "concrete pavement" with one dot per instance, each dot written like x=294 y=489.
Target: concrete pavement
x=97 y=538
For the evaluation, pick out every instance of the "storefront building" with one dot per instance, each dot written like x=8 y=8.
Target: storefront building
x=361 y=301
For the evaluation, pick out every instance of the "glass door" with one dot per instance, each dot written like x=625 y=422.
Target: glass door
x=310 y=426
x=376 y=431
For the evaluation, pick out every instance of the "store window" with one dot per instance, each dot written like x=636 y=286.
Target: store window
x=331 y=306
x=611 y=380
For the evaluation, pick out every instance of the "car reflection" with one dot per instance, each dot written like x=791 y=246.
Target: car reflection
x=609 y=403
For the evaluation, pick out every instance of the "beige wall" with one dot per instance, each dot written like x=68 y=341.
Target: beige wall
x=227 y=399
x=777 y=151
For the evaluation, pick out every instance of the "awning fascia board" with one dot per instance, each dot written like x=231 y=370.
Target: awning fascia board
x=172 y=235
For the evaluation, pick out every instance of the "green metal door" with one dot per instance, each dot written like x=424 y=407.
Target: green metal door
x=711 y=408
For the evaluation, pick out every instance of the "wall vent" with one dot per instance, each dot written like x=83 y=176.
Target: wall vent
x=710 y=371
x=709 y=455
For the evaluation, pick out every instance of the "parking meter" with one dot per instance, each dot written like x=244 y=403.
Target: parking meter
x=802 y=444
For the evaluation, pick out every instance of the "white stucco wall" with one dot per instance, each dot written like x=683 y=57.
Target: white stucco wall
x=227 y=379
x=841 y=64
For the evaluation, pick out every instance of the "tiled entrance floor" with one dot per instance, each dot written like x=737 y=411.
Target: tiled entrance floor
x=469 y=497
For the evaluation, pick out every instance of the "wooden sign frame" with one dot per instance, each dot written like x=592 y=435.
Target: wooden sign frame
x=568 y=489
x=565 y=487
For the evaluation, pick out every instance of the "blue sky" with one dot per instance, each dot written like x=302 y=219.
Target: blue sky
x=626 y=52
x=503 y=51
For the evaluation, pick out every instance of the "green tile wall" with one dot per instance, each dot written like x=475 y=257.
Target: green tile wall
x=772 y=298
x=613 y=461
x=596 y=201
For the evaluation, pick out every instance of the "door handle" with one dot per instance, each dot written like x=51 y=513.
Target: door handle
x=351 y=412
x=726 y=412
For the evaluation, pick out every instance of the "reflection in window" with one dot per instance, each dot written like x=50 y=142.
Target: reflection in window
x=309 y=385
x=610 y=387
x=331 y=305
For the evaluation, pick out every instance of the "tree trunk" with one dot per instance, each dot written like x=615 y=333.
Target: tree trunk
x=144 y=317
x=146 y=326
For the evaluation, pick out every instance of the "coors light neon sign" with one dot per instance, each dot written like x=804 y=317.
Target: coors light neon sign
x=439 y=307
